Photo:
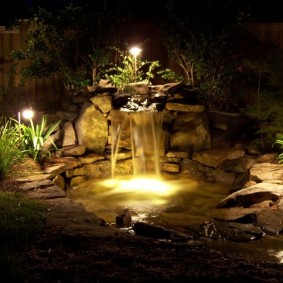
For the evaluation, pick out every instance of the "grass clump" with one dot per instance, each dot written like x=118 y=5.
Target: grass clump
x=10 y=148
x=21 y=218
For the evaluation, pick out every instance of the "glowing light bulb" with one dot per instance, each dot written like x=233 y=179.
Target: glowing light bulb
x=27 y=113
x=135 y=51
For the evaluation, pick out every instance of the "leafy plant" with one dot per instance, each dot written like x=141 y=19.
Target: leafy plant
x=72 y=42
x=10 y=147
x=133 y=69
x=34 y=136
x=267 y=107
x=204 y=50
x=130 y=70
x=170 y=75
x=279 y=141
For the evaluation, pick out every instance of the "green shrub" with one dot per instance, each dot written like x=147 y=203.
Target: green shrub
x=279 y=142
x=266 y=107
x=10 y=147
x=130 y=70
x=34 y=136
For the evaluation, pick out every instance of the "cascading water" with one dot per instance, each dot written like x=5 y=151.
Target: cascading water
x=145 y=129
x=143 y=114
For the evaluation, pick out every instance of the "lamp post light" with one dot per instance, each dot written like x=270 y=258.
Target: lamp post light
x=135 y=51
x=27 y=114
x=24 y=111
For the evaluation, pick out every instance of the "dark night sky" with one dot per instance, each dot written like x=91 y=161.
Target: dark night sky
x=20 y=9
x=261 y=10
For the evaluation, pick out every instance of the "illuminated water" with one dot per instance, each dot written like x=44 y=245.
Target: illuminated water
x=144 y=129
x=165 y=201
x=171 y=202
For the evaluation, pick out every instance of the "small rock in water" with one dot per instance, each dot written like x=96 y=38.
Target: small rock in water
x=158 y=232
x=124 y=219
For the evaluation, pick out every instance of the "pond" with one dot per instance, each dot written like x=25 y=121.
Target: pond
x=175 y=203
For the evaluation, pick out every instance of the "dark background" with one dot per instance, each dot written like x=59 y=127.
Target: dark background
x=259 y=10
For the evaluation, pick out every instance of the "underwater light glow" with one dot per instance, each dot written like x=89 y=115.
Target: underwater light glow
x=279 y=256
x=143 y=185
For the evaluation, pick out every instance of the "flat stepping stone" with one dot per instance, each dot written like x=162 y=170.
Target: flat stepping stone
x=33 y=178
x=35 y=185
x=47 y=193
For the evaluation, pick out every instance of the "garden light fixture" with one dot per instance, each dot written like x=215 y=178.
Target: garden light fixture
x=27 y=114
x=135 y=51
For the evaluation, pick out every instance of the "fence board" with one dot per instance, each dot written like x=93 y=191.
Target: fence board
x=1 y=72
x=6 y=61
x=42 y=94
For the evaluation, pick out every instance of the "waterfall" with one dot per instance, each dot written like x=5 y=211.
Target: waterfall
x=144 y=127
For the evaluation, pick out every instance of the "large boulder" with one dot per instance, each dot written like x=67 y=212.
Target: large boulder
x=92 y=128
x=190 y=131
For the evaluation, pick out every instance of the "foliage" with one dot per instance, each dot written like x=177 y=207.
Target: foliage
x=34 y=136
x=20 y=219
x=279 y=141
x=170 y=75
x=267 y=106
x=10 y=148
x=132 y=70
x=204 y=49
x=72 y=41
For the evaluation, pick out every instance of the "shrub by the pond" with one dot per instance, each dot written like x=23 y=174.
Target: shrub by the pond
x=10 y=148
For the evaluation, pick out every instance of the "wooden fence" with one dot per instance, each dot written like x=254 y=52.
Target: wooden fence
x=41 y=94
x=47 y=94
x=269 y=32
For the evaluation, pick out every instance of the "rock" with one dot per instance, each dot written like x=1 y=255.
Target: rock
x=172 y=106
x=35 y=184
x=234 y=214
x=92 y=128
x=238 y=232
x=47 y=193
x=158 y=232
x=253 y=194
x=69 y=137
x=124 y=219
x=73 y=150
x=265 y=172
x=170 y=167
x=259 y=205
x=214 y=157
x=238 y=165
x=103 y=102
x=270 y=220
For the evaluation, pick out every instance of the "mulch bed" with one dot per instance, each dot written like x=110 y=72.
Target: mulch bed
x=55 y=257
